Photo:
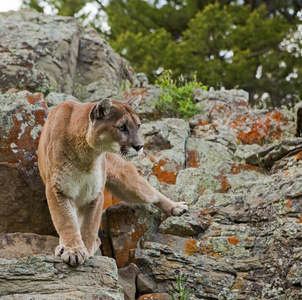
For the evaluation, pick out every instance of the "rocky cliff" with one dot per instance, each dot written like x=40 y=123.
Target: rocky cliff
x=239 y=169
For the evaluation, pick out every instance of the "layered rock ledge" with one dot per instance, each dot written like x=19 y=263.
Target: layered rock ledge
x=25 y=274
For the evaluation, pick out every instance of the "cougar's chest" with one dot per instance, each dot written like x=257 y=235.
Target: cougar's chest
x=84 y=186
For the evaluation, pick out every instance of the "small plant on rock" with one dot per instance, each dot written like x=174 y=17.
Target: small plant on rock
x=176 y=98
x=183 y=291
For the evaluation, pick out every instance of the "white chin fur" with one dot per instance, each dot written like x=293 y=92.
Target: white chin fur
x=132 y=154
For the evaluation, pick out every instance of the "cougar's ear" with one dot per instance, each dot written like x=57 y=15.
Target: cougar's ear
x=134 y=102
x=100 y=109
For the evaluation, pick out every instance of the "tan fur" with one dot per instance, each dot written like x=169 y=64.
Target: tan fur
x=79 y=153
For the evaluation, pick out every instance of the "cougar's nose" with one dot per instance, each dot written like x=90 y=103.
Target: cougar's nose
x=137 y=147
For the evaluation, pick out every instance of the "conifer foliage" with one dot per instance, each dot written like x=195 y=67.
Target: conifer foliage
x=250 y=44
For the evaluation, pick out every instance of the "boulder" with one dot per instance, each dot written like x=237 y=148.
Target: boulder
x=45 y=277
x=123 y=228
x=228 y=119
x=28 y=270
x=127 y=280
x=39 y=52
x=164 y=150
x=100 y=71
x=23 y=205
x=43 y=53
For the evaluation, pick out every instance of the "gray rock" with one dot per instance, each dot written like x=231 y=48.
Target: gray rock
x=100 y=72
x=145 y=284
x=127 y=280
x=270 y=154
x=200 y=95
x=146 y=110
x=182 y=226
x=18 y=245
x=54 y=99
x=45 y=277
x=164 y=135
x=39 y=51
x=23 y=205
x=164 y=147
x=46 y=54
x=142 y=80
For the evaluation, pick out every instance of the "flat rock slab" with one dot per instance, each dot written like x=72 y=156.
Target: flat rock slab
x=45 y=277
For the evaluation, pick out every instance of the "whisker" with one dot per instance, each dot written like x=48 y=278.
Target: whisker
x=115 y=161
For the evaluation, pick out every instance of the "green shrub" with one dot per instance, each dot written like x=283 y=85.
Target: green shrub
x=176 y=98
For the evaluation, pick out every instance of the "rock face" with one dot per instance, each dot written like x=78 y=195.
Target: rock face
x=240 y=172
x=100 y=71
x=18 y=245
x=41 y=53
x=239 y=169
x=23 y=206
x=45 y=277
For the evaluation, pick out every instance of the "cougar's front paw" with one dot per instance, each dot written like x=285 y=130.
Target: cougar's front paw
x=179 y=209
x=72 y=256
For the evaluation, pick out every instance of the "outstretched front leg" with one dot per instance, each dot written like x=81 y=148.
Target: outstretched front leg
x=125 y=183
x=64 y=215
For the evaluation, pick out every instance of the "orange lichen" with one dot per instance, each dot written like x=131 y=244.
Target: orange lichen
x=238 y=283
x=298 y=156
x=300 y=220
x=288 y=203
x=32 y=98
x=109 y=199
x=249 y=240
x=125 y=231
x=155 y=296
x=164 y=175
x=258 y=130
x=191 y=247
x=224 y=184
x=238 y=167
x=208 y=250
x=216 y=233
x=152 y=159
x=193 y=158
x=233 y=240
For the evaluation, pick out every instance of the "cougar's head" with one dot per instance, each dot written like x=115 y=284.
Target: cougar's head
x=114 y=127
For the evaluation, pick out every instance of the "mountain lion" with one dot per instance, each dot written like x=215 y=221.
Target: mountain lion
x=79 y=154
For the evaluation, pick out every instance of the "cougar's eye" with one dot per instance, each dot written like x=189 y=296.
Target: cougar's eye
x=122 y=127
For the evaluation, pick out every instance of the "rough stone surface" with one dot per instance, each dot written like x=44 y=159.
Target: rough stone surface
x=55 y=54
x=146 y=109
x=155 y=296
x=23 y=206
x=123 y=228
x=39 y=52
x=18 y=245
x=28 y=270
x=54 y=99
x=241 y=176
x=45 y=277
x=127 y=280
x=100 y=71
